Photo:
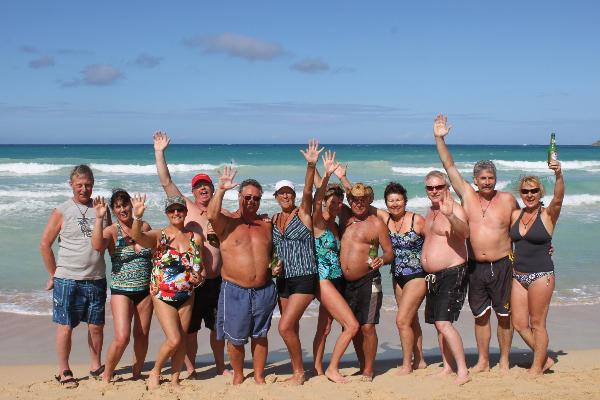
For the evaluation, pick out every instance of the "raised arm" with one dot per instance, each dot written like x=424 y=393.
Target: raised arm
x=340 y=172
x=329 y=166
x=144 y=239
x=49 y=235
x=455 y=215
x=440 y=130
x=161 y=142
x=99 y=241
x=311 y=155
x=555 y=205
x=217 y=219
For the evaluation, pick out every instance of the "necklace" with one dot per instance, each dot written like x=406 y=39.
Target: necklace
x=287 y=220
x=525 y=224
x=83 y=222
x=483 y=211
x=401 y=223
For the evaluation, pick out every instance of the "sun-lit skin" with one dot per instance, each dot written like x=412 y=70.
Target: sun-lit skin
x=359 y=205
x=249 y=207
x=202 y=192
x=82 y=186
x=485 y=182
x=176 y=215
x=531 y=200
x=396 y=204
x=435 y=195
x=286 y=198
x=122 y=211
x=332 y=207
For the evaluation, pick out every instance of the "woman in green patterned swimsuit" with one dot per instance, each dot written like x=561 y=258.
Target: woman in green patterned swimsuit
x=130 y=279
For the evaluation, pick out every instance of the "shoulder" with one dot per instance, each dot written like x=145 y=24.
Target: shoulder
x=507 y=197
x=419 y=219
x=64 y=206
x=459 y=210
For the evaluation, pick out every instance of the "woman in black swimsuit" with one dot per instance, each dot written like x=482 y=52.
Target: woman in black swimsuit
x=533 y=277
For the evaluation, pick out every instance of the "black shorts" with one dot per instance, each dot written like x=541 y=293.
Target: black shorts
x=136 y=296
x=305 y=284
x=404 y=279
x=489 y=286
x=364 y=296
x=446 y=292
x=206 y=298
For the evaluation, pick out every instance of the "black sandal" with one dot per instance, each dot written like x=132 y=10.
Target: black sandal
x=97 y=374
x=69 y=382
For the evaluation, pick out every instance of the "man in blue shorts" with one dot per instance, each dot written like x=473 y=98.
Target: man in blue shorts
x=248 y=295
x=77 y=277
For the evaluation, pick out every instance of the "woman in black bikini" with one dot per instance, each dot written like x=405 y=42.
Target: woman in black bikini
x=533 y=277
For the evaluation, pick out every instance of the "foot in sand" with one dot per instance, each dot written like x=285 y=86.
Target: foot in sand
x=335 y=376
x=238 y=379
x=549 y=363
x=402 y=370
x=192 y=376
x=445 y=371
x=153 y=381
x=259 y=380
x=461 y=380
x=366 y=378
x=419 y=365
x=481 y=367
x=224 y=372
x=297 y=378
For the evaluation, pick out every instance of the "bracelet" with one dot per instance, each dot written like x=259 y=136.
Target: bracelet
x=135 y=218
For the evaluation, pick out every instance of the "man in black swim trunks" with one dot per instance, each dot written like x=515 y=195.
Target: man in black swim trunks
x=207 y=295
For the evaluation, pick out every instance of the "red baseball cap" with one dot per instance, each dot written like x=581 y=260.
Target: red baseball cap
x=201 y=177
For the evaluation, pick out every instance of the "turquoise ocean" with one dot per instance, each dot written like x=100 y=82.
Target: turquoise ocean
x=33 y=180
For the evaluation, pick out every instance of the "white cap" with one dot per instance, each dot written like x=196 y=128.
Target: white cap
x=284 y=183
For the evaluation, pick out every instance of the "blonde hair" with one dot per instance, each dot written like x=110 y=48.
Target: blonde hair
x=534 y=180
x=438 y=174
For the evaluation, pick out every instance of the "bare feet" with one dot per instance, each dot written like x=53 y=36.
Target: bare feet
x=402 y=370
x=297 y=378
x=238 y=379
x=259 y=380
x=192 y=376
x=461 y=380
x=335 y=376
x=549 y=363
x=224 y=372
x=319 y=370
x=366 y=378
x=153 y=381
x=419 y=365
x=445 y=371
x=481 y=367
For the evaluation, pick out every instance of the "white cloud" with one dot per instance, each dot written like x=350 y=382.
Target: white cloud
x=235 y=45
x=147 y=61
x=310 y=66
x=42 y=62
x=101 y=75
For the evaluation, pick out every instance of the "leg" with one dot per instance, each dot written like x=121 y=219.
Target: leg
x=418 y=357
x=540 y=293
x=191 y=349
x=505 y=334
x=369 y=346
x=218 y=349
x=142 y=318
x=447 y=359
x=337 y=307
x=520 y=312
x=236 y=358
x=288 y=329
x=95 y=339
x=453 y=341
x=185 y=313
x=122 y=310
x=483 y=335
x=357 y=342
x=323 y=329
x=409 y=299
x=260 y=349
x=63 y=347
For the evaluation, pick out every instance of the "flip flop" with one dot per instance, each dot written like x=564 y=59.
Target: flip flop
x=97 y=374
x=69 y=382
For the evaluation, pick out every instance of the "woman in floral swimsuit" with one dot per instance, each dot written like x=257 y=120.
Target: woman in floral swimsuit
x=177 y=269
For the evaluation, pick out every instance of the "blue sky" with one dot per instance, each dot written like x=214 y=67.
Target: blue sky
x=281 y=72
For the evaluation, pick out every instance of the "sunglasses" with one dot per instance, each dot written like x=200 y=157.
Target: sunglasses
x=436 y=187
x=178 y=209
x=532 y=191
x=250 y=197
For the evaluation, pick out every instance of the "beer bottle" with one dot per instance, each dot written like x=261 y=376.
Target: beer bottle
x=274 y=261
x=552 y=152
x=372 y=253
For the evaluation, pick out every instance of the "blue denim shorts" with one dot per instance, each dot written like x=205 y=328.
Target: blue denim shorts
x=245 y=312
x=78 y=300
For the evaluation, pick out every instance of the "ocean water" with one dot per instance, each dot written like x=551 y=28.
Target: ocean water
x=33 y=180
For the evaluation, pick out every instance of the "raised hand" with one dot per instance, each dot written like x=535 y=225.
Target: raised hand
x=311 y=155
x=446 y=204
x=138 y=202
x=99 y=207
x=329 y=163
x=556 y=167
x=226 y=177
x=161 y=141
x=440 y=126
x=340 y=171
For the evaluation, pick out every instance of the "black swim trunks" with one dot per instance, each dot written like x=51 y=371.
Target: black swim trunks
x=364 y=296
x=489 y=286
x=305 y=284
x=404 y=279
x=206 y=298
x=446 y=292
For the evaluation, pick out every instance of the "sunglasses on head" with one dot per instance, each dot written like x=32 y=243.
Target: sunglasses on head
x=249 y=197
x=532 y=191
x=436 y=187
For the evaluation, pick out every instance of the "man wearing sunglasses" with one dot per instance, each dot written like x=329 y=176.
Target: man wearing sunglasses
x=490 y=264
x=248 y=295
x=364 y=233
x=206 y=296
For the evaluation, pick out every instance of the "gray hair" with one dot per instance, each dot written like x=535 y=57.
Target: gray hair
x=250 y=182
x=81 y=170
x=483 y=165
x=438 y=174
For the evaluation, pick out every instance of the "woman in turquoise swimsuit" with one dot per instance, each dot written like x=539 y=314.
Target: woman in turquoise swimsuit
x=328 y=202
x=177 y=269
x=130 y=280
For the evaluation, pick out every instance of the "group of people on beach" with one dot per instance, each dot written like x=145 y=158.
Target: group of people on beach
x=218 y=266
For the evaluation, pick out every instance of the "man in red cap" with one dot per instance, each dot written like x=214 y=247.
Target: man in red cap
x=207 y=295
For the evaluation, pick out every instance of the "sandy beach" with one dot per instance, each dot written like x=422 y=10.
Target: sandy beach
x=28 y=364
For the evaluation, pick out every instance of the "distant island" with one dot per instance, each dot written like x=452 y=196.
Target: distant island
x=596 y=144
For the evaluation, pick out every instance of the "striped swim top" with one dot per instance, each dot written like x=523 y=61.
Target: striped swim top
x=130 y=269
x=296 y=248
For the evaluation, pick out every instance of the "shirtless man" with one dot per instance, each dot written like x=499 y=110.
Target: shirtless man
x=444 y=258
x=207 y=295
x=490 y=265
x=248 y=295
x=363 y=279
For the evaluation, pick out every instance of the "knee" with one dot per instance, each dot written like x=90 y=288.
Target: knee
x=442 y=326
x=504 y=322
x=368 y=330
x=352 y=328
x=520 y=324
x=174 y=342
x=96 y=329
x=538 y=323
x=327 y=329
x=121 y=340
x=484 y=319
x=286 y=330
x=403 y=323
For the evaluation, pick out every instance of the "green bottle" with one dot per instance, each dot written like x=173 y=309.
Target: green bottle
x=552 y=152
x=372 y=253
x=274 y=261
